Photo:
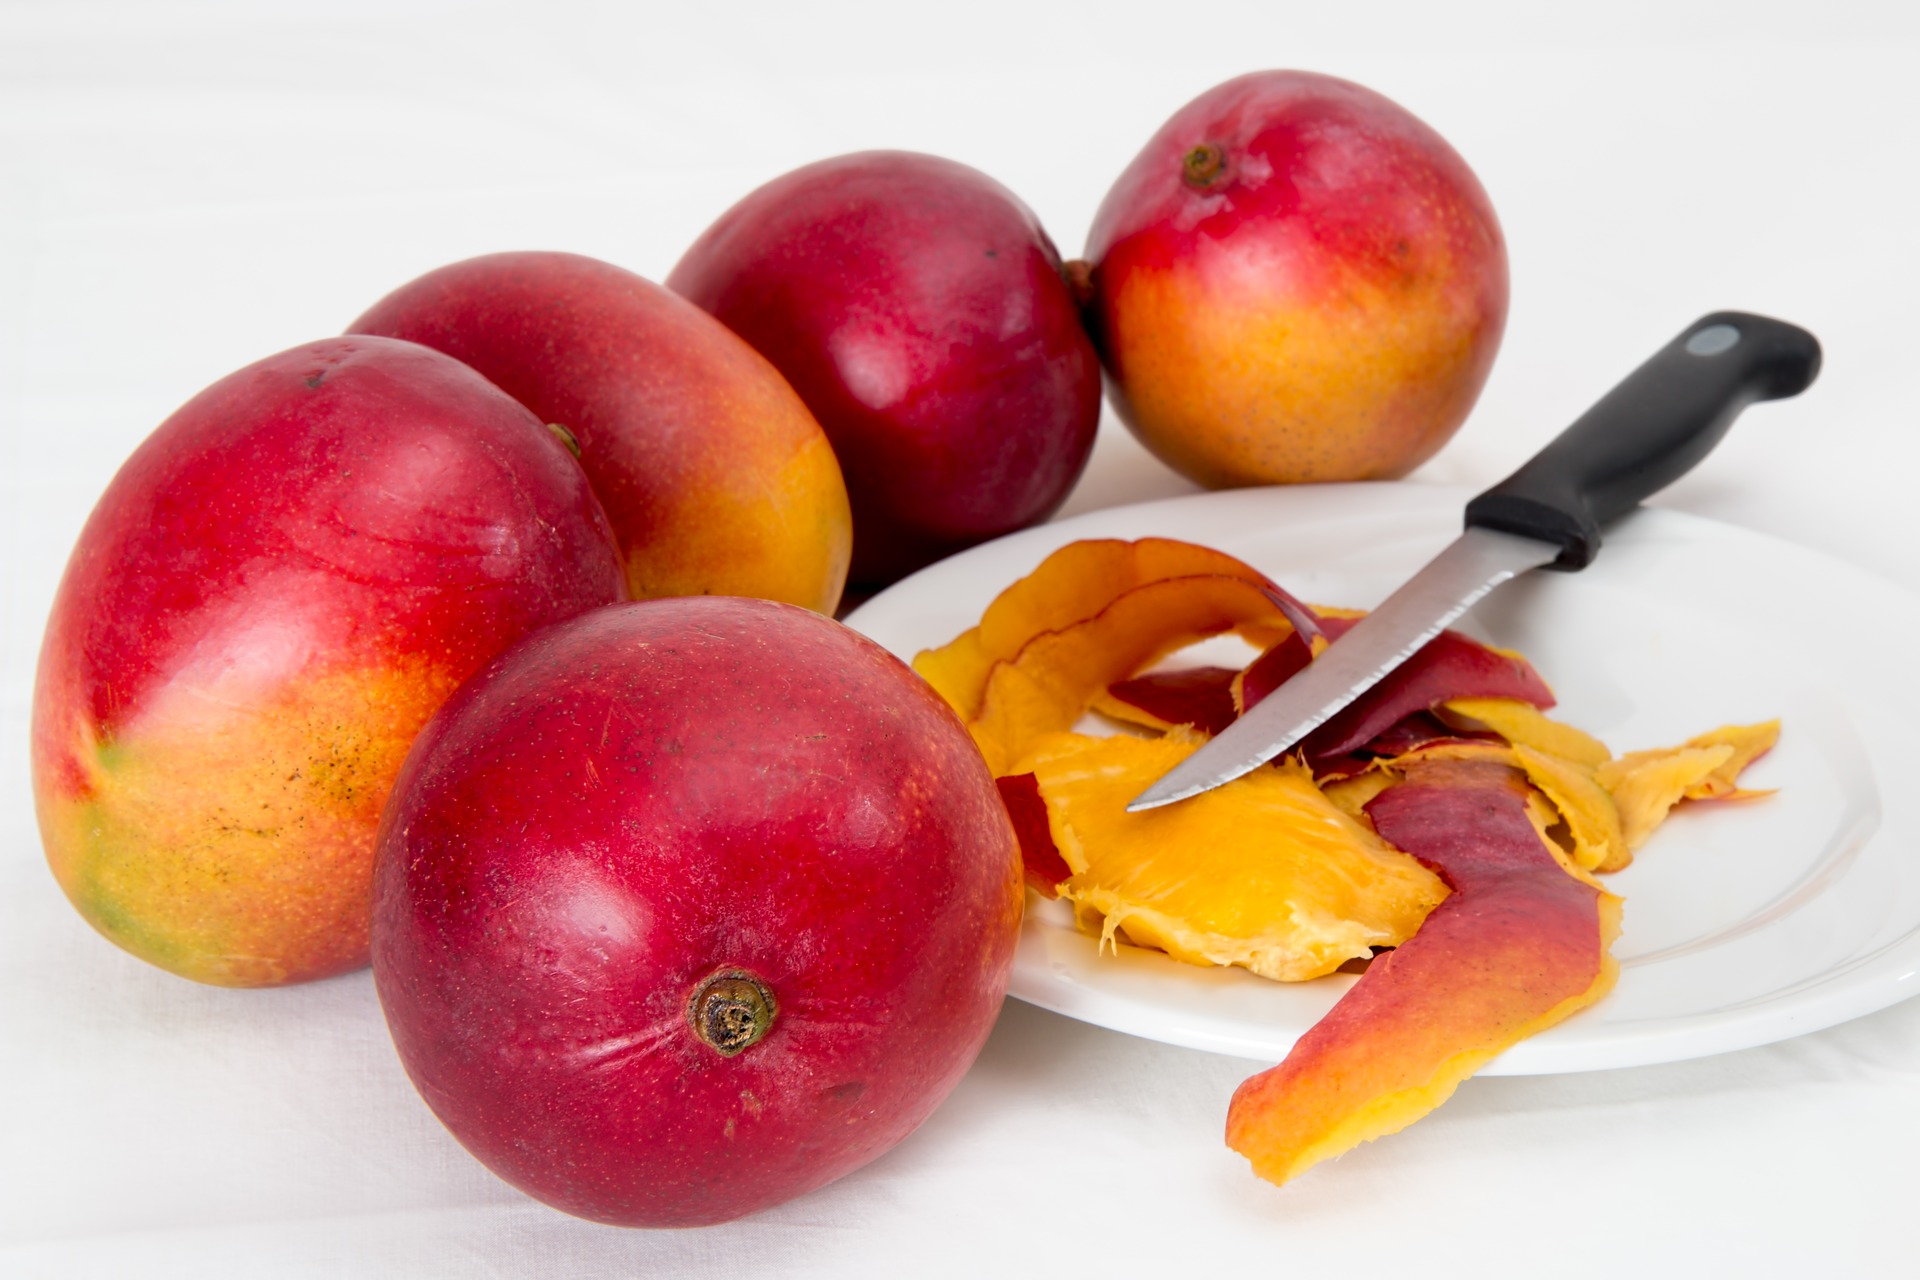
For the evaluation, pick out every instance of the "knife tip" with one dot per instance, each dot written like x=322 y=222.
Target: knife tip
x=1157 y=795
x=1184 y=781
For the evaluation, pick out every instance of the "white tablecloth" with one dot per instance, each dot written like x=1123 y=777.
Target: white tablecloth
x=185 y=187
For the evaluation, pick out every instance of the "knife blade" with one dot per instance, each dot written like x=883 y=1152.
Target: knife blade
x=1647 y=432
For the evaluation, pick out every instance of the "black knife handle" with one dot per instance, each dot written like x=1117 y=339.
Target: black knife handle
x=1648 y=431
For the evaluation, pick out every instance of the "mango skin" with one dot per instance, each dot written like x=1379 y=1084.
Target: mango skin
x=1325 y=304
x=1523 y=942
x=920 y=310
x=274 y=593
x=629 y=803
x=717 y=479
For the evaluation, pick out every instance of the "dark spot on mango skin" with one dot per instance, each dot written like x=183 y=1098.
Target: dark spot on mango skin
x=731 y=1011
x=1203 y=166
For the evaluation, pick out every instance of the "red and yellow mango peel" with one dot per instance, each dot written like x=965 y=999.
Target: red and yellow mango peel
x=1056 y=675
x=277 y=590
x=1200 y=698
x=1040 y=861
x=1068 y=587
x=1449 y=666
x=1092 y=614
x=1296 y=869
x=1518 y=946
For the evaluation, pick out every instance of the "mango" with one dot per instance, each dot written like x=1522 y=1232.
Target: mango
x=1295 y=280
x=923 y=314
x=717 y=479
x=687 y=907
x=274 y=593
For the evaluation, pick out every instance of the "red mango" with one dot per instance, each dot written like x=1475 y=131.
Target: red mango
x=920 y=310
x=274 y=593
x=686 y=907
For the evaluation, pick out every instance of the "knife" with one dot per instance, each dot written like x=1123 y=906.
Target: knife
x=1642 y=436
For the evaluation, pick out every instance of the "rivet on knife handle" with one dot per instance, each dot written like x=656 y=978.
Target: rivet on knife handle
x=1648 y=431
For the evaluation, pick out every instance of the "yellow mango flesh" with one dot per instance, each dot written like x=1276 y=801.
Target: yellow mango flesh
x=1524 y=724
x=1647 y=789
x=1749 y=743
x=1264 y=872
x=1591 y=817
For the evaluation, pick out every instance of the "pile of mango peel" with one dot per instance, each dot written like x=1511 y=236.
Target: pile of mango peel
x=1442 y=835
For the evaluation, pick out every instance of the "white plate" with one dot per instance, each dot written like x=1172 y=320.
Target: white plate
x=1745 y=923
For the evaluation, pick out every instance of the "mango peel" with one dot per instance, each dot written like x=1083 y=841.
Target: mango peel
x=1518 y=946
x=1443 y=826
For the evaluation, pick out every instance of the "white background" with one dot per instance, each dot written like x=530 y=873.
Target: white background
x=185 y=188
